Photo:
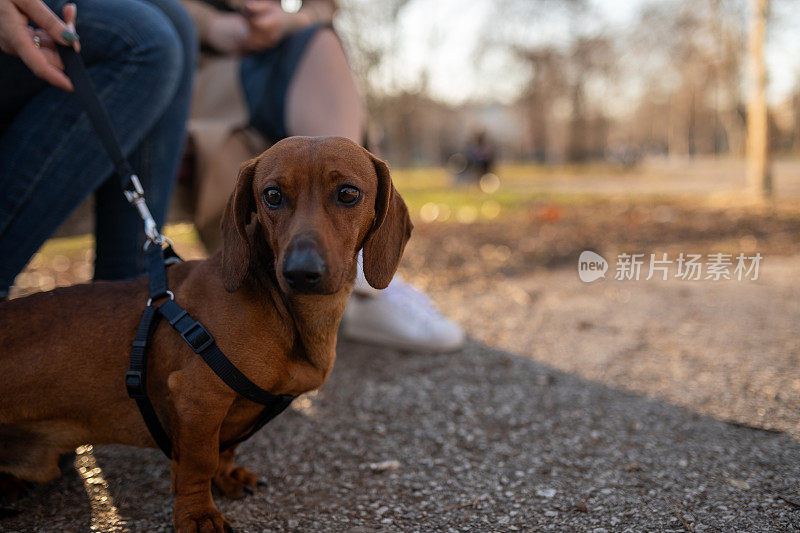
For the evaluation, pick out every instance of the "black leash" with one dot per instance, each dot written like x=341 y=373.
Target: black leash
x=86 y=95
x=158 y=258
x=98 y=116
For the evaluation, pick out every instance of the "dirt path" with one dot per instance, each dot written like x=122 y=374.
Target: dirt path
x=729 y=349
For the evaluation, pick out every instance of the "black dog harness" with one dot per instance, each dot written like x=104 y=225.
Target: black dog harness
x=201 y=342
x=158 y=258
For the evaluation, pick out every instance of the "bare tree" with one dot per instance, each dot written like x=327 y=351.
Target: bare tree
x=688 y=56
x=671 y=83
x=588 y=57
x=561 y=72
x=759 y=178
x=546 y=83
x=372 y=37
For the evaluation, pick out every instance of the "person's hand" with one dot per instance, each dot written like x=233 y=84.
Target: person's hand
x=36 y=48
x=269 y=23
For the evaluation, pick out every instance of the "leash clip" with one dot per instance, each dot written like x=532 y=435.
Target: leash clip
x=136 y=198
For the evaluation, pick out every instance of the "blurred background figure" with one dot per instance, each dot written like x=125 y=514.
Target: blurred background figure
x=475 y=161
x=480 y=157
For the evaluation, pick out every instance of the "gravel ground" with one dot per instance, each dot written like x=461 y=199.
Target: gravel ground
x=613 y=406
x=482 y=440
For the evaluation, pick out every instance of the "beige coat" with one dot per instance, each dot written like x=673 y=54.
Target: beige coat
x=221 y=140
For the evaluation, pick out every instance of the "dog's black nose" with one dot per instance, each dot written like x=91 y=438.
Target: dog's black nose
x=304 y=268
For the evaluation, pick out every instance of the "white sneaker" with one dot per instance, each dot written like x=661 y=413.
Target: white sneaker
x=399 y=316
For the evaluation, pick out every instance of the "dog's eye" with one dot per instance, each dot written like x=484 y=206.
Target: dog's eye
x=273 y=197
x=348 y=195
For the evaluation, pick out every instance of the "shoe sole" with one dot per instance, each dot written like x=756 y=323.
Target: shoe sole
x=387 y=342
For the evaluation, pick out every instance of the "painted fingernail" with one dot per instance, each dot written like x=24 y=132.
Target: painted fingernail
x=70 y=36
x=248 y=490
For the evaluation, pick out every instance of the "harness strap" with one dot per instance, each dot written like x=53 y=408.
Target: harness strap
x=203 y=344
x=157 y=272
x=136 y=378
x=271 y=411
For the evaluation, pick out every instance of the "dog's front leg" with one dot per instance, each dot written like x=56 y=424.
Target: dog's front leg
x=197 y=415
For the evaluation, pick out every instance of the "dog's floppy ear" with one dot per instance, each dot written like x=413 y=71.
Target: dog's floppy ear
x=235 y=245
x=391 y=228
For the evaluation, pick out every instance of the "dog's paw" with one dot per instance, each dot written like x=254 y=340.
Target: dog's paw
x=207 y=521
x=236 y=482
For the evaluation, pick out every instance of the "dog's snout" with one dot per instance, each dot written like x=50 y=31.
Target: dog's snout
x=304 y=267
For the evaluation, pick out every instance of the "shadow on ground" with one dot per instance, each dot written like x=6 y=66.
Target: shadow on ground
x=474 y=441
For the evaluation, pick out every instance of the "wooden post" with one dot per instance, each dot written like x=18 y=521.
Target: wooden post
x=759 y=179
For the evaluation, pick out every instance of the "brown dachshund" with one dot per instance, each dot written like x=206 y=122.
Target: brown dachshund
x=272 y=297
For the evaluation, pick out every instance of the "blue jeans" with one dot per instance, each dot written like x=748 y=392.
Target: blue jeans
x=140 y=55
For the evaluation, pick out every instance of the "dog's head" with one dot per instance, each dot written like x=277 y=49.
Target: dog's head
x=317 y=202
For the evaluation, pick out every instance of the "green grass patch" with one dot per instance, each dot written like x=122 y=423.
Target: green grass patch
x=76 y=246
x=71 y=247
x=432 y=194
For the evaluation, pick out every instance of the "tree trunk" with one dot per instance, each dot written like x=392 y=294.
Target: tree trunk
x=759 y=179
x=538 y=124
x=796 y=132
x=576 y=141
x=691 y=128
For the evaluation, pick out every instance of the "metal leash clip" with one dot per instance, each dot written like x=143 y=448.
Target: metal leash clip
x=136 y=198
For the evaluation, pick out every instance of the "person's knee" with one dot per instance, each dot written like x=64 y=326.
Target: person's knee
x=159 y=46
x=339 y=71
x=327 y=38
x=184 y=27
x=138 y=36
